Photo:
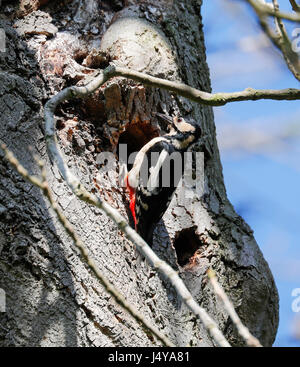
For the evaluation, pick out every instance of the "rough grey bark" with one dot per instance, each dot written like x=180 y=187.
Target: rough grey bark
x=52 y=299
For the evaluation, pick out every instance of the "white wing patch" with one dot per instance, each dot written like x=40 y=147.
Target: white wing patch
x=153 y=182
x=134 y=173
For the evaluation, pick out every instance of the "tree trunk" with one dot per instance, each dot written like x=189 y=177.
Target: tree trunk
x=51 y=297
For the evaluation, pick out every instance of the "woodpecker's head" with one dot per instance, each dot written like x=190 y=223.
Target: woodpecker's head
x=183 y=132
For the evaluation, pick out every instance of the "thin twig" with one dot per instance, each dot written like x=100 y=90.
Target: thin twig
x=285 y=45
x=265 y=9
x=80 y=191
x=43 y=185
x=295 y=6
x=243 y=331
x=281 y=40
x=279 y=23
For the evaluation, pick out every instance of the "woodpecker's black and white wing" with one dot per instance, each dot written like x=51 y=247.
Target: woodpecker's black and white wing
x=154 y=193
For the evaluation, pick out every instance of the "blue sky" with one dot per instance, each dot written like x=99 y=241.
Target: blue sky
x=259 y=143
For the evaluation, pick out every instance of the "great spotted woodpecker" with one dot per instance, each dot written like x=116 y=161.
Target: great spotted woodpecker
x=149 y=196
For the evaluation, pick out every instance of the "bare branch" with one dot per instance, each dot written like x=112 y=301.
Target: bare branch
x=217 y=99
x=243 y=331
x=265 y=9
x=285 y=45
x=295 y=6
x=279 y=23
x=281 y=40
x=43 y=185
x=80 y=191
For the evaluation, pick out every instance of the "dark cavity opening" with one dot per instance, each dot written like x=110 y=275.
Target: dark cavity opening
x=135 y=137
x=80 y=55
x=186 y=244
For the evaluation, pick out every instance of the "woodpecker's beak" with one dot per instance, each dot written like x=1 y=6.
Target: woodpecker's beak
x=167 y=119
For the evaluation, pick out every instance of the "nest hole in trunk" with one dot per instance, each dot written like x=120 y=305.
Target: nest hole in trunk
x=186 y=244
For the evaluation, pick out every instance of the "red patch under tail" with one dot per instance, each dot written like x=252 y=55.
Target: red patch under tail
x=132 y=200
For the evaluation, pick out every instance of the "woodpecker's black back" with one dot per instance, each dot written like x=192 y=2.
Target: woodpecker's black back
x=167 y=154
x=151 y=205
